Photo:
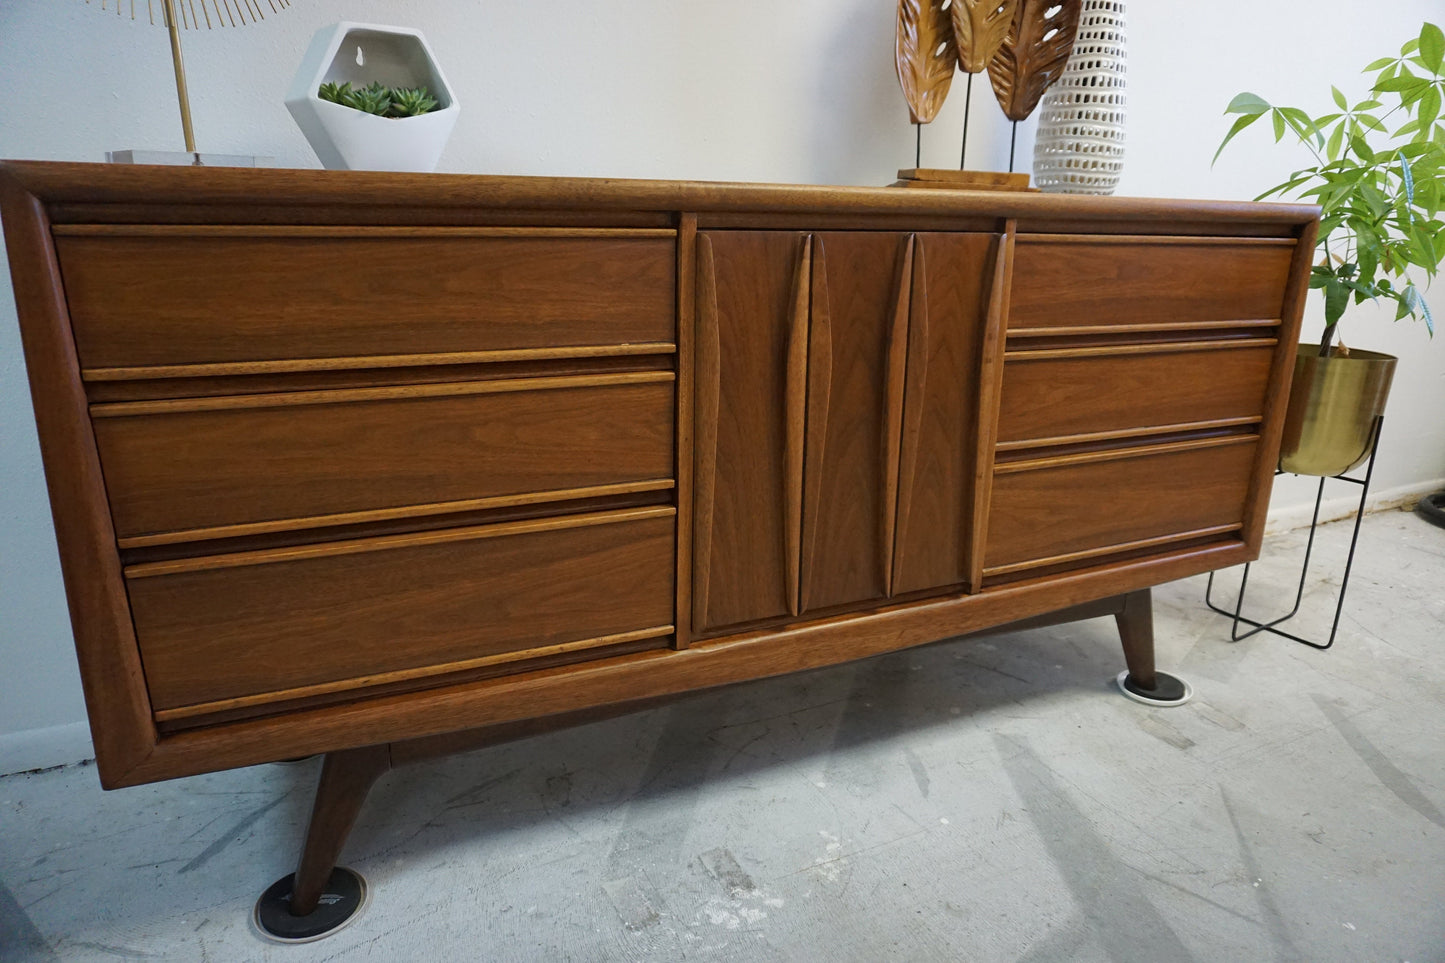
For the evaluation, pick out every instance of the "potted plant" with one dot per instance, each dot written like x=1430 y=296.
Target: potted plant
x=369 y=97
x=1377 y=178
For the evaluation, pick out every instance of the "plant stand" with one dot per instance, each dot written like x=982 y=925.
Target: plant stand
x=1235 y=635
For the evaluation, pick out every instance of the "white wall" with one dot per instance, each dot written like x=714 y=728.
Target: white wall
x=799 y=91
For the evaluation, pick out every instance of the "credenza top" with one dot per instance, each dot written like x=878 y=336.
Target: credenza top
x=88 y=185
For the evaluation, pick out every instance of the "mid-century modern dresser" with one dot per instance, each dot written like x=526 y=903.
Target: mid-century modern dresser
x=382 y=466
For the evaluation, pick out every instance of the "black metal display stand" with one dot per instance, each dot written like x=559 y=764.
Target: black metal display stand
x=1235 y=634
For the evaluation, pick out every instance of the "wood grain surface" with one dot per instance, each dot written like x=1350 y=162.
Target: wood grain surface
x=110 y=666
x=952 y=285
x=1054 y=397
x=219 y=633
x=156 y=300
x=1040 y=514
x=746 y=330
x=836 y=406
x=199 y=469
x=100 y=192
x=1075 y=283
x=857 y=277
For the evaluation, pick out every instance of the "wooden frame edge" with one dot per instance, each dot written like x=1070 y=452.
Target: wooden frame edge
x=645 y=675
x=111 y=673
x=1280 y=375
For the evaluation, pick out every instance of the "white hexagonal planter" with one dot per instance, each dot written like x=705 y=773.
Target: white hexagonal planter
x=348 y=139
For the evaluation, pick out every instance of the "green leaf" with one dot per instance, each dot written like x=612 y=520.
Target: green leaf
x=1368 y=121
x=1369 y=264
x=1429 y=106
x=1340 y=97
x=1300 y=122
x=1239 y=125
x=1332 y=149
x=1399 y=83
x=1337 y=298
x=1247 y=103
x=1432 y=46
x=1358 y=145
x=1378 y=64
x=1367 y=105
x=1278 y=125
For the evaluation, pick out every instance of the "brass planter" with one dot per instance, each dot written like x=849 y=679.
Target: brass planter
x=1333 y=403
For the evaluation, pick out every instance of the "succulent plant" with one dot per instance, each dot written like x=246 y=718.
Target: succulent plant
x=372 y=99
x=381 y=100
x=335 y=93
x=411 y=102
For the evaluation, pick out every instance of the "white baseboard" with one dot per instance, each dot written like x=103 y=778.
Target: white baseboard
x=1340 y=506
x=44 y=748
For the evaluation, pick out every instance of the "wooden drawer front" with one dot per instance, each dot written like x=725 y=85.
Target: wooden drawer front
x=185 y=300
x=1054 y=394
x=175 y=468
x=286 y=619
x=1156 y=281
x=1091 y=505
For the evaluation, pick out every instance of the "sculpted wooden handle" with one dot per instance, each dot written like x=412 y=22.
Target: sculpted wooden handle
x=708 y=372
x=915 y=378
x=820 y=387
x=893 y=409
x=796 y=402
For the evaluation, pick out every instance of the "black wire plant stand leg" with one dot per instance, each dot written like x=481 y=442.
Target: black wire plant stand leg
x=1235 y=635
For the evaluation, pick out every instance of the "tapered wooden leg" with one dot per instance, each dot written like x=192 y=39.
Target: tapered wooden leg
x=346 y=777
x=1136 y=631
x=1142 y=682
x=321 y=897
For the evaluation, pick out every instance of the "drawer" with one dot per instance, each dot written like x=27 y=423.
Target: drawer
x=197 y=464
x=1059 y=393
x=347 y=614
x=175 y=299
x=1075 y=508
x=1081 y=281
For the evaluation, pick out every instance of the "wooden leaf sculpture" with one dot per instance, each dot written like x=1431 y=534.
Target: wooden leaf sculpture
x=1034 y=55
x=926 y=56
x=980 y=28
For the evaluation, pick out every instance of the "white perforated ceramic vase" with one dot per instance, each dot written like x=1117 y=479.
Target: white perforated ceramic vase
x=1079 y=147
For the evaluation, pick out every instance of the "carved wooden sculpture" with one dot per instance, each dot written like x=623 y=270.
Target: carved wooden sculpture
x=1040 y=39
x=926 y=57
x=979 y=28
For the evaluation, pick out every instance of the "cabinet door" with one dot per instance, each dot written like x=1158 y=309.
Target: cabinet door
x=856 y=351
x=948 y=307
x=751 y=343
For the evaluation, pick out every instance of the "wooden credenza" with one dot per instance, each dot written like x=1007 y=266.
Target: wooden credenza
x=382 y=466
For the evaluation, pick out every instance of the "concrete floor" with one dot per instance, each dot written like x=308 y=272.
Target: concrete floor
x=986 y=800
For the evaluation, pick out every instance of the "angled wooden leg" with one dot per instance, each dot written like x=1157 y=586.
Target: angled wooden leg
x=1142 y=682
x=346 y=777
x=1136 y=631
x=293 y=909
